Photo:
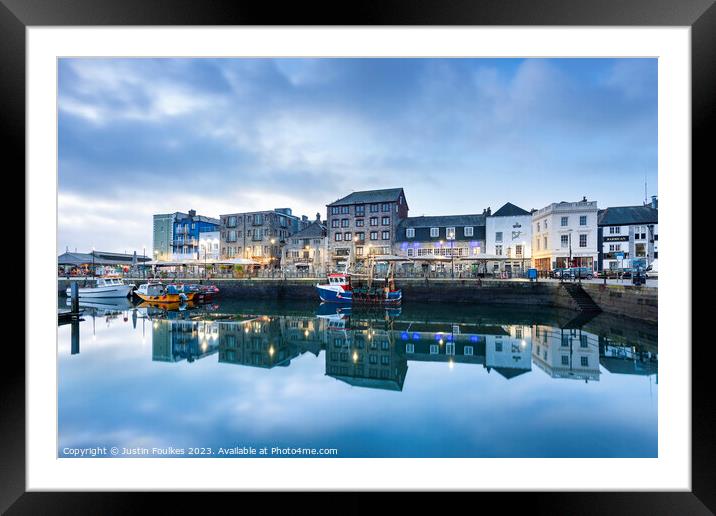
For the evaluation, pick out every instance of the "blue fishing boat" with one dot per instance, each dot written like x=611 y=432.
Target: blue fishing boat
x=339 y=289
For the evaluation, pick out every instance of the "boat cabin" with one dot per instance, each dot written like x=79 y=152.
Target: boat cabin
x=109 y=282
x=339 y=279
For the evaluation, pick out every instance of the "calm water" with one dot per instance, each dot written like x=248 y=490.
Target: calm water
x=421 y=381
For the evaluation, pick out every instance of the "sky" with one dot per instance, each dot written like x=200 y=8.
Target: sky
x=143 y=136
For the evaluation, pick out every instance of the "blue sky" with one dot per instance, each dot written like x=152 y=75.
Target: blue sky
x=144 y=136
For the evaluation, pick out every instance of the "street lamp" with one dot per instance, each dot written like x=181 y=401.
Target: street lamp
x=93 y=273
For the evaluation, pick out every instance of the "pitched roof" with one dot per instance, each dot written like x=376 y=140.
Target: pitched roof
x=443 y=220
x=388 y=195
x=625 y=215
x=313 y=230
x=510 y=210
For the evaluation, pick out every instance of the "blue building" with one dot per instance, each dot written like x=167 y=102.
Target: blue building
x=177 y=235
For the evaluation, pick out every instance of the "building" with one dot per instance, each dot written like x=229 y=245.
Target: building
x=258 y=235
x=452 y=236
x=364 y=223
x=209 y=245
x=307 y=250
x=564 y=234
x=626 y=232
x=103 y=262
x=509 y=238
x=177 y=235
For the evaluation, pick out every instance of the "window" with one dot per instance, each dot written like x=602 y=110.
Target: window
x=468 y=351
x=565 y=360
x=584 y=361
x=360 y=223
x=410 y=232
x=615 y=230
x=231 y=222
x=564 y=221
x=582 y=220
x=538 y=244
x=345 y=223
x=498 y=346
x=360 y=209
x=374 y=208
x=386 y=235
x=258 y=219
x=468 y=231
x=385 y=207
x=411 y=252
x=518 y=250
x=583 y=341
x=359 y=251
x=434 y=349
x=545 y=243
x=410 y=348
x=434 y=232
x=498 y=250
x=582 y=240
x=386 y=221
x=231 y=236
x=335 y=210
x=374 y=235
x=347 y=236
x=498 y=236
x=361 y=236
x=564 y=241
x=338 y=237
x=640 y=250
x=538 y=227
x=450 y=233
x=374 y=221
x=335 y=223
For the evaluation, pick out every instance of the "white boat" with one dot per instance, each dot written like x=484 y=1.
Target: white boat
x=105 y=287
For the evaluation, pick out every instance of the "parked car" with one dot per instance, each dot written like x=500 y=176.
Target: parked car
x=581 y=272
x=559 y=273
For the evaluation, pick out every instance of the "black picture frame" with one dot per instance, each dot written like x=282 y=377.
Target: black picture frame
x=700 y=15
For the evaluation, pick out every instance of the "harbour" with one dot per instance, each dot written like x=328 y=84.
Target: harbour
x=367 y=381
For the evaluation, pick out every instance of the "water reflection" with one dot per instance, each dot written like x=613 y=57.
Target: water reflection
x=360 y=380
x=372 y=348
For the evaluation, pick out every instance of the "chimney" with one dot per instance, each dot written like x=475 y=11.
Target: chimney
x=192 y=213
x=318 y=217
x=584 y=198
x=654 y=202
x=489 y=211
x=304 y=218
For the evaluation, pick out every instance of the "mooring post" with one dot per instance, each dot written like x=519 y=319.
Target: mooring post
x=75 y=294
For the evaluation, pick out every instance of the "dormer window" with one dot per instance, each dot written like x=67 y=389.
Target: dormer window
x=434 y=232
x=410 y=232
x=468 y=231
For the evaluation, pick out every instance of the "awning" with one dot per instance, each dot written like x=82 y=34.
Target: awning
x=237 y=261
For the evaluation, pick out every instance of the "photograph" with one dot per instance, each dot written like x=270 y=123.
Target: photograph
x=358 y=257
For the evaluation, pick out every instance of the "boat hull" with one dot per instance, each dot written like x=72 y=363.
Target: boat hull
x=113 y=291
x=335 y=294
x=166 y=298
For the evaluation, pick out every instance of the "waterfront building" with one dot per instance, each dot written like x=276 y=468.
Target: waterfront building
x=627 y=232
x=564 y=234
x=177 y=340
x=307 y=250
x=364 y=223
x=453 y=236
x=177 y=235
x=209 y=244
x=509 y=238
x=258 y=235
x=102 y=261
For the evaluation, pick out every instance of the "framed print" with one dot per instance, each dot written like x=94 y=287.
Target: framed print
x=419 y=249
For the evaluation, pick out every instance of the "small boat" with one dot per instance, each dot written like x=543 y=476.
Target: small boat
x=201 y=292
x=159 y=293
x=340 y=290
x=105 y=286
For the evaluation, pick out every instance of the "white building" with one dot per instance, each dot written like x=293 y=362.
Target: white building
x=564 y=234
x=209 y=245
x=627 y=233
x=509 y=238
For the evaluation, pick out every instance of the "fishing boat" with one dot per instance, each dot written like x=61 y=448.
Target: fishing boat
x=201 y=292
x=339 y=289
x=159 y=293
x=105 y=286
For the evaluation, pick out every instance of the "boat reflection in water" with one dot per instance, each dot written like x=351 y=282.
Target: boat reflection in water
x=372 y=347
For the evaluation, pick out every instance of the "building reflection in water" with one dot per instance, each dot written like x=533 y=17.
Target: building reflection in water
x=373 y=349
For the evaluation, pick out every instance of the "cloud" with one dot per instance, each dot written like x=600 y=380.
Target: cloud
x=230 y=135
